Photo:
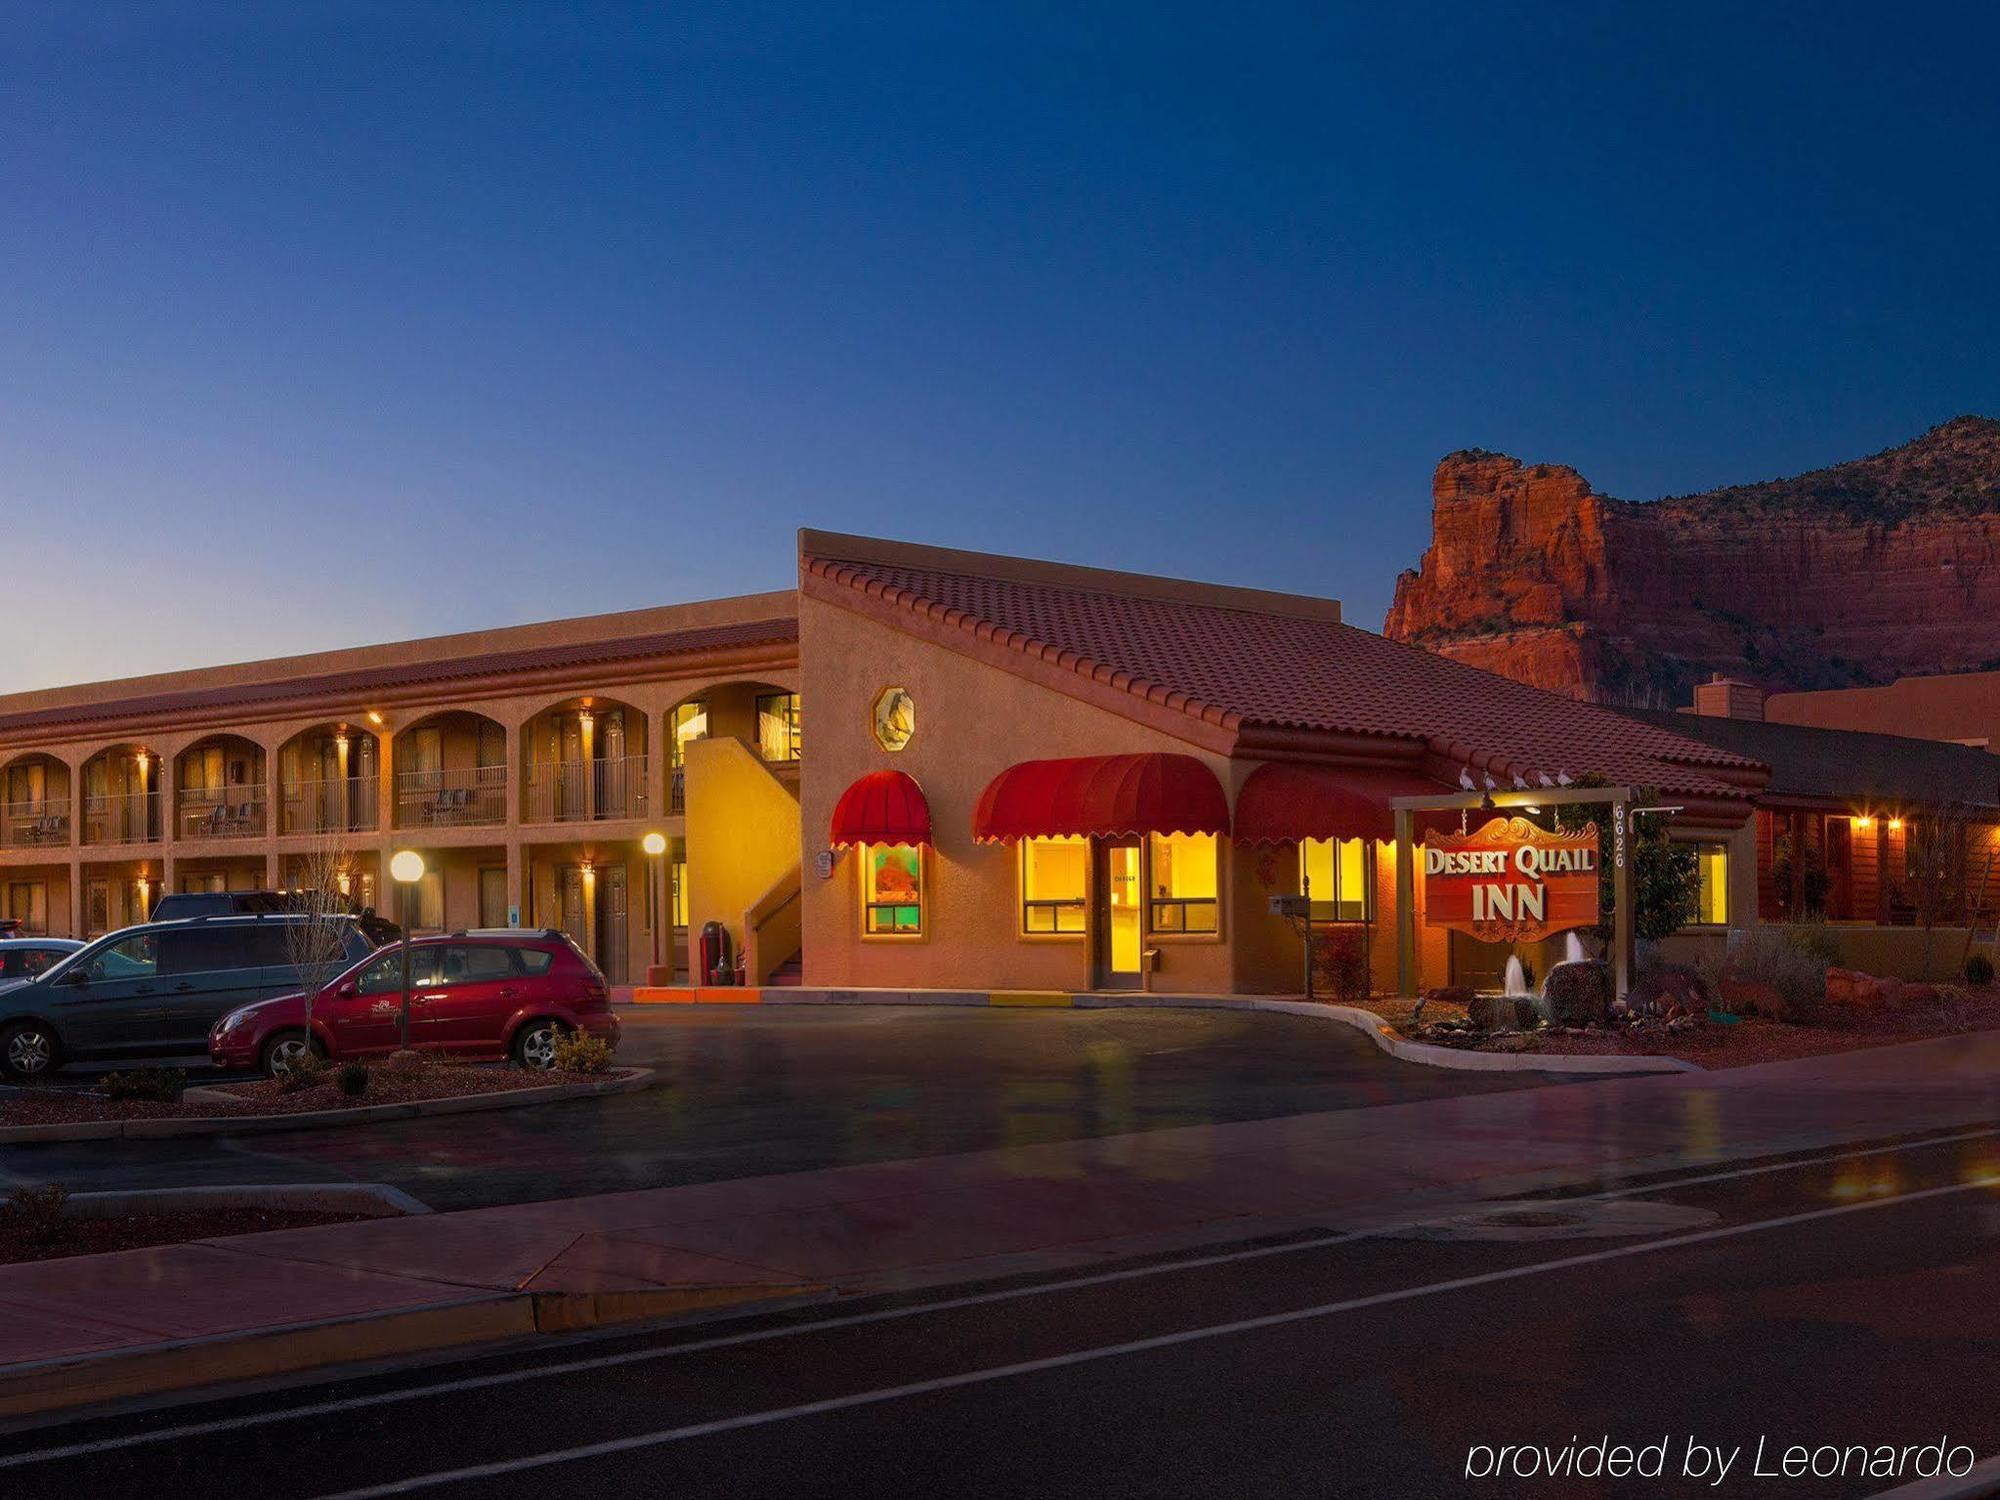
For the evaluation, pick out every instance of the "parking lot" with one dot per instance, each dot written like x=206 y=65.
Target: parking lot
x=747 y=1092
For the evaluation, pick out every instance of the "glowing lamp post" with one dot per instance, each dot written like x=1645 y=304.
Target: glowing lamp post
x=655 y=845
x=406 y=867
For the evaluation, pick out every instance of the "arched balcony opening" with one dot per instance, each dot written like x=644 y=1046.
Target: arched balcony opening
x=34 y=803
x=329 y=781
x=451 y=772
x=586 y=761
x=121 y=796
x=219 y=789
x=763 y=715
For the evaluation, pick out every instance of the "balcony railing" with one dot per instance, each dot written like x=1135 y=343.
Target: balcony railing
x=576 y=791
x=469 y=798
x=125 y=818
x=331 y=806
x=35 y=825
x=222 y=812
x=677 y=797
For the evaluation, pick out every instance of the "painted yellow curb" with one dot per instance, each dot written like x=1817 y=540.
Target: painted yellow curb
x=705 y=994
x=1051 y=998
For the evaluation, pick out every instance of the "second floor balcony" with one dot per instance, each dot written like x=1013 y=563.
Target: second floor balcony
x=334 y=805
x=582 y=791
x=41 y=824
x=472 y=797
x=122 y=818
x=222 y=812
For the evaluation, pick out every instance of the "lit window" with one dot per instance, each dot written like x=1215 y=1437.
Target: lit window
x=1183 y=883
x=892 y=890
x=681 y=893
x=1054 y=884
x=689 y=722
x=1338 y=874
x=1711 y=907
x=778 y=727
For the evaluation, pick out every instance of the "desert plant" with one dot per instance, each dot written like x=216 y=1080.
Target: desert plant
x=1771 y=957
x=581 y=1052
x=306 y=1071
x=39 y=1213
x=158 y=1085
x=351 y=1078
x=1814 y=938
x=1340 y=966
x=1666 y=875
x=1979 y=969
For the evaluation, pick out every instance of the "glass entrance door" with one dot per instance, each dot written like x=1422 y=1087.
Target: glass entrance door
x=1119 y=901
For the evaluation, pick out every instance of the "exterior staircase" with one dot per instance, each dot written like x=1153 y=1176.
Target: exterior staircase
x=790 y=972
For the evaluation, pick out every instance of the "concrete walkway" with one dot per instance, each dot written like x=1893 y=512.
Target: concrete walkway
x=91 y=1328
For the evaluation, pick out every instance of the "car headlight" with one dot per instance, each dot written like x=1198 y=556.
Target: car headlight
x=231 y=1021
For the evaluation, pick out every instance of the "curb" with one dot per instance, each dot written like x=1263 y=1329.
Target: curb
x=632 y=1081
x=218 y=1359
x=1427 y=1054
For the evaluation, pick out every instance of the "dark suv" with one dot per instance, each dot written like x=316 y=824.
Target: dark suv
x=178 y=904
x=149 y=991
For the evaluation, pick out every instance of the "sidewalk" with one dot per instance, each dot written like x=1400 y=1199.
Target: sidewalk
x=93 y=1328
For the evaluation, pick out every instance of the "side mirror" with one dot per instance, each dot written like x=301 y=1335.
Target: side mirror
x=347 y=991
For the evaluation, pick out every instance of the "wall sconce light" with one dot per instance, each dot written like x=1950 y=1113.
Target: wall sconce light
x=1895 y=825
x=1864 y=821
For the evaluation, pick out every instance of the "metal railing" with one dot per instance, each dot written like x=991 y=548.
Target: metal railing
x=677 y=780
x=330 y=806
x=577 y=791
x=467 y=798
x=222 y=812
x=35 y=825
x=123 y=818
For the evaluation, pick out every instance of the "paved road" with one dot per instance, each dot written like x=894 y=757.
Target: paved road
x=757 y=1091
x=1820 y=1302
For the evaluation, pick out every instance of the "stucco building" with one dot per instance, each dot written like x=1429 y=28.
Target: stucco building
x=920 y=768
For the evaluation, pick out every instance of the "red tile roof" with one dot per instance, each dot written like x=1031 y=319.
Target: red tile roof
x=358 y=683
x=1243 y=667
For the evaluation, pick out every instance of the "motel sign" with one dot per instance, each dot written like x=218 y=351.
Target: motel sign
x=1511 y=882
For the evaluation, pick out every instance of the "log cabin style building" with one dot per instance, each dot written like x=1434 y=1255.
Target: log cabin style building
x=920 y=768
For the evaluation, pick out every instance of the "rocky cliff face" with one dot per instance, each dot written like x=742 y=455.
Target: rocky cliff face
x=1859 y=573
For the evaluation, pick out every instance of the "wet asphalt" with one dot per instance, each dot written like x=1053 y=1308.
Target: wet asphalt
x=746 y=1092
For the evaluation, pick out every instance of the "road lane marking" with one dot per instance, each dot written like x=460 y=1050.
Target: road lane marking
x=1120 y=1350
x=881 y=1315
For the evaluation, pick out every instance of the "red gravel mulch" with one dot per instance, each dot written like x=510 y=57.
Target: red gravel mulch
x=1840 y=1028
x=134 y=1231
x=69 y=1106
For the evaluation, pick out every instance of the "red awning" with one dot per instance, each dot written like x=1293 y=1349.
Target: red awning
x=1106 y=796
x=1282 y=802
x=883 y=807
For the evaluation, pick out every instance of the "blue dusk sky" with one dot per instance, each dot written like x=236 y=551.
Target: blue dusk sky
x=324 y=323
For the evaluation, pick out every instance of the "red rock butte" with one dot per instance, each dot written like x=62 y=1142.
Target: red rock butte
x=1855 y=574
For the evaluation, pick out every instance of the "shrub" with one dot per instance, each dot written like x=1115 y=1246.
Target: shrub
x=1796 y=974
x=40 y=1213
x=1664 y=988
x=580 y=1052
x=1814 y=939
x=1577 y=993
x=1338 y=966
x=159 y=1085
x=306 y=1071
x=352 y=1079
x=1978 y=969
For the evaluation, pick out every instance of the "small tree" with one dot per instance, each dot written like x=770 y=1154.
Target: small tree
x=1934 y=858
x=316 y=937
x=1666 y=876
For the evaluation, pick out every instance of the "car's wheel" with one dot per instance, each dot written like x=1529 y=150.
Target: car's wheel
x=286 y=1048
x=29 y=1052
x=535 y=1044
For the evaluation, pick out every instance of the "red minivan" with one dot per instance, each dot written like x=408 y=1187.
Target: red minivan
x=497 y=993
